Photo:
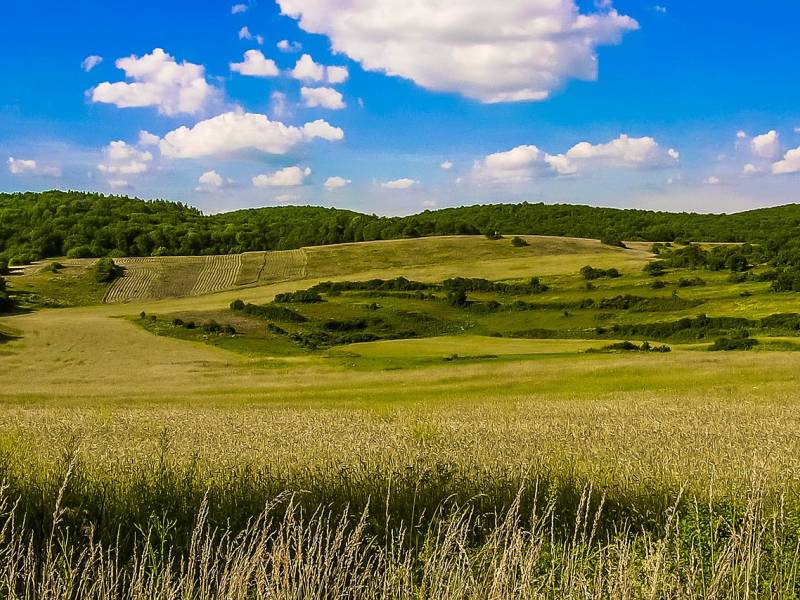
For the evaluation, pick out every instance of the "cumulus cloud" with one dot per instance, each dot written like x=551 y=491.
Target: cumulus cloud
x=305 y=69
x=323 y=97
x=287 y=46
x=446 y=165
x=789 y=164
x=660 y=9
x=244 y=33
x=741 y=135
x=158 y=81
x=238 y=9
x=236 y=131
x=90 y=62
x=513 y=166
x=524 y=163
x=255 y=64
x=211 y=181
x=399 y=184
x=750 y=169
x=712 y=180
x=332 y=183
x=767 y=145
x=287 y=177
x=20 y=166
x=119 y=184
x=124 y=159
x=510 y=51
x=148 y=139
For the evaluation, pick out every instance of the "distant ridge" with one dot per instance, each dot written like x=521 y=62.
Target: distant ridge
x=80 y=224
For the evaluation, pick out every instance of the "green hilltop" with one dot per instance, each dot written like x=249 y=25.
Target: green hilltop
x=78 y=224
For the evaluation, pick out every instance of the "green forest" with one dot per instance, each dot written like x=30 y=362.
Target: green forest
x=82 y=225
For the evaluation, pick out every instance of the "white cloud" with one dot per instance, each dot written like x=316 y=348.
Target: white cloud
x=741 y=135
x=513 y=166
x=323 y=97
x=399 y=184
x=211 y=181
x=523 y=163
x=287 y=177
x=446 y=165
x=238 y=9
x=750 y=169
x=278 y=104
x=287 y=46
x=429 y=204
x=493 y=52
x=19 y=166
x=244 y=33
x=90 y=62
x=255 y=65
x=124 y=159
x=789 y=164
x=712 y=180
x=561 y=164
x=660 y=9
x=305 y=69
x=119 y=184
x=260 y=40
x=159 y=81
x=148 y=139
x=766 y=145
x=333 y=183
x=236 y=131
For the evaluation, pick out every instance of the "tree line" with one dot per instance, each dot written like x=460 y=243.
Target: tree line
x=79 y=224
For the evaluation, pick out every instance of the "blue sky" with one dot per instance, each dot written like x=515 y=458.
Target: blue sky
x=394 y=106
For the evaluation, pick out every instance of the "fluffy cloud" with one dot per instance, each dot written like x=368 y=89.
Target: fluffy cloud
x=238 y=9
x=399 y=184
x=493 y=52
x=119 y=184
x=90 y=62
x=750 y=169
x=712 y=180
x=211 y=181
x=124 y=159
x=159 y=81
x=244 y=33
x=513 y=166
x=767 y=145
x=333 y=183
x=446 y=165
x=148 y=139
x=789 y=164
x=524 y=163
x=323 y=97
x=288 y=177
x=19 y=166
x=235 y=131
x=287 y=46
x=305 y=69
x=255 y=65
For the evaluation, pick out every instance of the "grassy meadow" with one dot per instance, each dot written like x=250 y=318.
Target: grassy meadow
x=490 y=448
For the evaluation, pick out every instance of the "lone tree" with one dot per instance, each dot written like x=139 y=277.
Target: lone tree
x=457 y=297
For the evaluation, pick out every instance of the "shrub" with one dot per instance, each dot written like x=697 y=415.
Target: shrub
x=590 y=273
x=616 y=242
x=83 y=251
x=24 y=258
x=299 y=297
x=142 y=315
x=741 y=341
x=691 y=282
x=229 y=330
x=106 y=270
x=658 y=285
x=518 y=242
x=457 y=297
x=177 y=322
x=655 y=268
x=3 y=266
x=268 y=311
x=493 y=234
x=190 y=325
x=237 y=305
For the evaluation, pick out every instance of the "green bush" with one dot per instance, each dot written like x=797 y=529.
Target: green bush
x=590 y=273
x=106 y=270
x=741 y=341
x=655 y=268
x=80 y=252
x=518 y=242
x=457 y=297
x=299 y=297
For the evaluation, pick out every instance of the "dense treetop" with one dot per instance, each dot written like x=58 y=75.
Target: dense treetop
x=56 y=223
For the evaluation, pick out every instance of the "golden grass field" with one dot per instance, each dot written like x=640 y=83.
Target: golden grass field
x=375 y=417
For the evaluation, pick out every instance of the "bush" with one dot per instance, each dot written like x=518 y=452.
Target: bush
x=3 y=266
x=24 y=258
x=691 y=282
x=177 y=322
x=299 y=297
x=106 y=270
x=80 y=252
x=237 y=305
x=613 y=242
x=190 y=325
x=741 y=341
x=518 y=242
x=457 y=297
x=655 y=268
x=268 y=311
x=55 y=267
x=658 y=285
x=590 y=273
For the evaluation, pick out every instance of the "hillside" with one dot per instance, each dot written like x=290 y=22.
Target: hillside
x=82 y=225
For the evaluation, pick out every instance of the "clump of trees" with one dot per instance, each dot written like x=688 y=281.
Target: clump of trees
x=106 y=270
x=268 y=311
x=631 y=347
x=299 y=297
x=656 y=268
x=738 y=341
x=590 y=273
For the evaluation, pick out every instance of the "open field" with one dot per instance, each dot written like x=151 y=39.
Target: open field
x=434 y=441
